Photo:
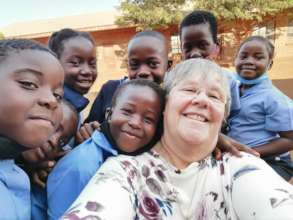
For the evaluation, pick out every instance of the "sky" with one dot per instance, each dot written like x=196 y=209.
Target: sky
x=12 y=11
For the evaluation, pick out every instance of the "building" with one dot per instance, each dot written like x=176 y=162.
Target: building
x=112 y=42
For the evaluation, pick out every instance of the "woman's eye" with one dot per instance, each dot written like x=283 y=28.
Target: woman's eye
x=29 y=85
x=58 y=96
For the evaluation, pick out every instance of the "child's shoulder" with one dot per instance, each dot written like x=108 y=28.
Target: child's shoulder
x=114 y=83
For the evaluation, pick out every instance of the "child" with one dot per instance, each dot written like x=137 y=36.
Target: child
x=77 y=54
x=198 y=35
x=147 y=59
x=49 y=153
x=31 y=90
x=130 y=128
x=265 y=120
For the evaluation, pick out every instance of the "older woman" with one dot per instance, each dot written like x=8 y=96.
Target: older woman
x=179 y=178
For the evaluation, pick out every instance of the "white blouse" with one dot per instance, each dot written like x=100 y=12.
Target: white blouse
x=148 y=187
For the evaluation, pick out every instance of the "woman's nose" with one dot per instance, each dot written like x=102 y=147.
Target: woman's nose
x=200 y=99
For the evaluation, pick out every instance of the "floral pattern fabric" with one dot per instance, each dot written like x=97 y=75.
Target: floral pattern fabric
x=147 y=187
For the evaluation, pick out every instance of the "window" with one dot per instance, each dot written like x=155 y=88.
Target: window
x=266 y=30
x=290 y=27
x=175 y=43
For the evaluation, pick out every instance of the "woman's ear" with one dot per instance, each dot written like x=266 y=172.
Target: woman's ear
x=108 y=114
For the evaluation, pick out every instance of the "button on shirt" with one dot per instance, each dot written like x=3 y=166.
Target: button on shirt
x=73 y=171
x=14 y=192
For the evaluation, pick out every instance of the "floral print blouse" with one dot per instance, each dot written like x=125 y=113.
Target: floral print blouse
x=147 y=187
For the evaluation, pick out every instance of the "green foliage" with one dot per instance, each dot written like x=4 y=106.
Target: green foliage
x=151 y=13
x=154 y=13
x=244 y=9
x=1 y=36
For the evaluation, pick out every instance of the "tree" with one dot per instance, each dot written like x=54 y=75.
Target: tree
x=1 y=36
x=154 y=13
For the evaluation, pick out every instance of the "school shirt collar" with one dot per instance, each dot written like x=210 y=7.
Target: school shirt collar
x=265 y=84
x=102 y=140
x=76 y=99
x=9 y=149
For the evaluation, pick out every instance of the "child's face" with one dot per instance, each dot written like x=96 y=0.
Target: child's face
x=66 y=129
x=252 y=60
x=147 y=58
x=134 y=118
x=197 y=42
x=79 y=62
x=62 y=135
x=31 y=89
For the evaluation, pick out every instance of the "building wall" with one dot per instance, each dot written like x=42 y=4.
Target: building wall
x=112 y=47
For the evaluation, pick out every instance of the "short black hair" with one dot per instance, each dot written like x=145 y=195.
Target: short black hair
x=269 y=45
x=8 y=46
x=142 y=83
x=201 y=17
x=57 y=39
x=150 y=33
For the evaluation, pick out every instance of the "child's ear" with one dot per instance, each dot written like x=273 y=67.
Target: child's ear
x=270 y=64
x=170 y=63
x=108 y=114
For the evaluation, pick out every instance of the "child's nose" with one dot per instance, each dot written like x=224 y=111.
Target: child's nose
x=48 y=100
x=135 y=121
x=86 y=69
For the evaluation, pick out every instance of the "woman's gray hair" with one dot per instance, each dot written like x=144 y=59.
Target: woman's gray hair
x=205 y=69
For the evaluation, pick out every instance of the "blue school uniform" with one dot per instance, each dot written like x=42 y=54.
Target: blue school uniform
x=264 y=112
x=15 y=201
x=39 y=203
x=234 y=91
x=74 y=170
x=103 y=100
x=77 y=100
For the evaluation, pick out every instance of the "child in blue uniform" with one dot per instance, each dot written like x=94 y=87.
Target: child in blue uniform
x=198 y=35
x=131 y=127
x=265 y=119
x=147 y=58
x=36 y=160
x=77 y=54
x=31 y=90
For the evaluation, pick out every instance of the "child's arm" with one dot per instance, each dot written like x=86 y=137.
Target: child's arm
x=86 y=131
x=227 y=144
x=277 y=146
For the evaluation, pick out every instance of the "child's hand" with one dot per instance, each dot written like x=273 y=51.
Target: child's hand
x=41 y=171
x=227 y=144
x=86 y=130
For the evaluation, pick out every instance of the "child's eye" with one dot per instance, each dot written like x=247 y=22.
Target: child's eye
x=28 y=85
x=93 y=64
x=75 y=63
x=153 y=64
x=190 y=90
x=149 y=120
x=133 y=65
x=126 y=111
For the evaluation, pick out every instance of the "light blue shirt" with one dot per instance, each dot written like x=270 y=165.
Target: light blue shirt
x=15 y=200
x=264 y=112
x=73 y=171
x=234 y=91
